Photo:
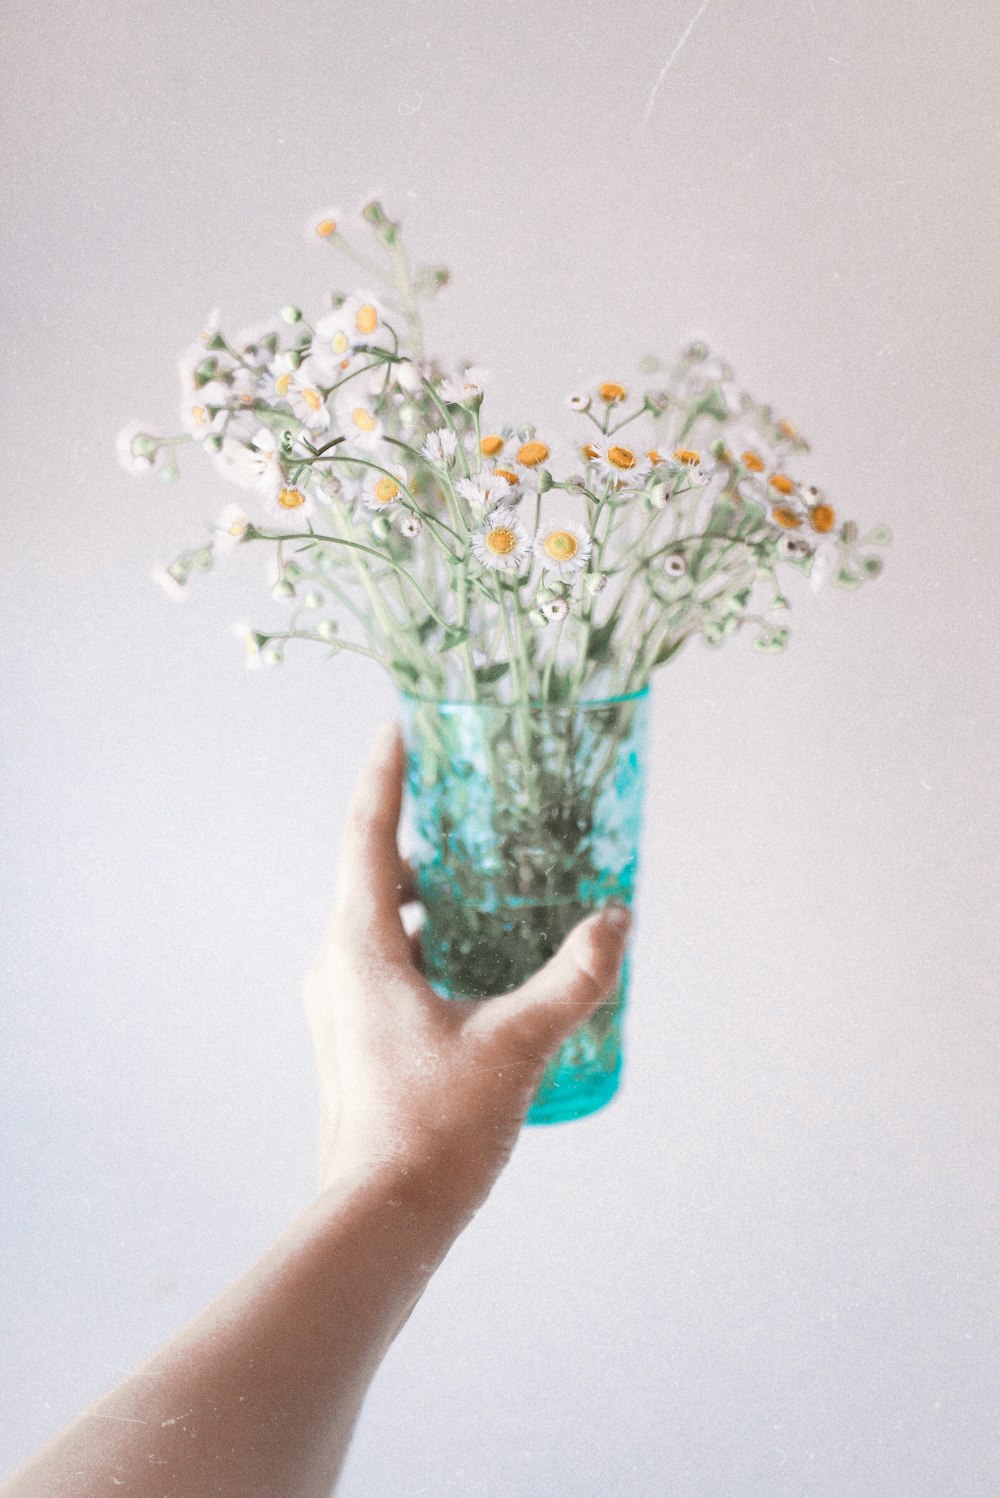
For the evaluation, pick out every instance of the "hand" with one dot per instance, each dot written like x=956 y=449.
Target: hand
x=436 y=1089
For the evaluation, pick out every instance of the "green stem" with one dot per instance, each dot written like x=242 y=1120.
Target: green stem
x=254 y=534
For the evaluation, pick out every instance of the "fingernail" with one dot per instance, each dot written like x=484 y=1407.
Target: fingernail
x=617 y=919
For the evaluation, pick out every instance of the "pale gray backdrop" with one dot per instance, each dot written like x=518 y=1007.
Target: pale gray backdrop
x=770 y=1267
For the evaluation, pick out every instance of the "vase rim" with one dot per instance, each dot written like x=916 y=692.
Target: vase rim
x=533 y=702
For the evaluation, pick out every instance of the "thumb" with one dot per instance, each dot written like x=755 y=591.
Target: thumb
x=535 y=1018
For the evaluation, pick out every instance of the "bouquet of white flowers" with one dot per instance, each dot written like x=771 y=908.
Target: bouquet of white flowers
x=475 y=559
x=519 y=585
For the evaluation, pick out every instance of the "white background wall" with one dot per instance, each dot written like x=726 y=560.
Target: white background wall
x=770 y=1267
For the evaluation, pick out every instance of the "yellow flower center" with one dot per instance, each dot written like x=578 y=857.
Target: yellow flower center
x=753 y=461
x=508 y=474
x=654 y=455
x=501 y=541
x=200 y=416
x=326 y=227
x=238 y=528
x=589 y=451
x=782 y=483
x=339 y=342
x=491 y=445
x=787 y=518
x=787 y=430
x=282 y=383
x=687 y=455
x=312 y=398
x=822 y=517
x=561 y=546
x=291 y=499
x=621 y=457
x=363 y=419
x=611 y=393
x=532 y=453
x=386 y=490
x=366 y=320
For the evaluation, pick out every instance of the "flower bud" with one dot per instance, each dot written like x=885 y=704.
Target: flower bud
x=381 y=529
x=544 y=481
x=202 y=559
x=272 y=655
x=282 y=589
x=327 y=629
x=291 y=358
x=313 y=600
x=214 y=442
x=291 y=314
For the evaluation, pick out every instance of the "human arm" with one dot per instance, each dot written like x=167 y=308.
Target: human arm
x=422 y=1102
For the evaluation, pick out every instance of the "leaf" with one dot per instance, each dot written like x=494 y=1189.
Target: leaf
x=485 y=675
x=408 y=672
x=880 y=536
x=600 y=639
x=775 y=639
x=713 y=403
x=425 y=626
x=666 y=650
x=452 y=638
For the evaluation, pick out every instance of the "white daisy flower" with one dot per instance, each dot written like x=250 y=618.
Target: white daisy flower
x=409 y=376
x=553 y=609
x=505 y=472
x=698 y=468
x=358 y=419
x=563 y=549
x=485 y=491
x=467 y=389
x=825 y=557
x=204 y=411
x=289 y=505
x=578 y=402
x=257 y=343
x=230 y=528
x=528 y=457
x=410 y=525
x=137 y=449
x=675 y=565
x=210 y=327
x=501 y=541
x=384 y=489
x=167 y=579
x=296 y=387
x=243 y=630
x=334 y=352
x=325 y=224
x=615 y=458
x=251 y=465
x=440 y=446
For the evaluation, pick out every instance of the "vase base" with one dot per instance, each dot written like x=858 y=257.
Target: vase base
x=561 y=1100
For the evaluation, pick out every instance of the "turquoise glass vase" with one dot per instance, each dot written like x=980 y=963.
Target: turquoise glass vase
x=521 y=819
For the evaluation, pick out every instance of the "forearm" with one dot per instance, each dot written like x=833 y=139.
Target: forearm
x=259 y=1394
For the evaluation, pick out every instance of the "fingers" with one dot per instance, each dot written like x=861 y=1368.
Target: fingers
x=538 y=1016
x=372 y=879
